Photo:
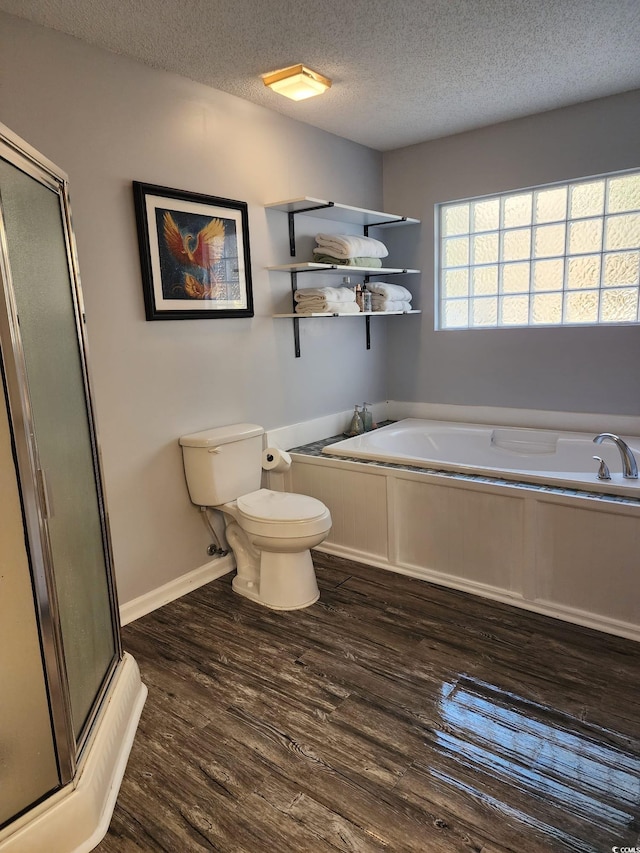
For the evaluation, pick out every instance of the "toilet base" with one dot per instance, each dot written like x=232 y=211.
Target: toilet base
x=286 y=582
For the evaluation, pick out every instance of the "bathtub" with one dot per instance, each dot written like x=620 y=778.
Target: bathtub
x=563 y=459
x=515 y=515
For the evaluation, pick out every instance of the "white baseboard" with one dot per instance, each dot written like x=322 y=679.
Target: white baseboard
x=132 y=610
x=545 y=608
x=76 y=818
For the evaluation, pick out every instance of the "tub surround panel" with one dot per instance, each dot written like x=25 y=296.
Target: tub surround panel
x=475 y=535
x=589 y=559
x=537 y=547
x=358 y=506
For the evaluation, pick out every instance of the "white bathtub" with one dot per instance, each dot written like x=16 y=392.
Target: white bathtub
x=527 y=455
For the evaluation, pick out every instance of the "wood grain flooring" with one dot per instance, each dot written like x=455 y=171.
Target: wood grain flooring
x=393 y=715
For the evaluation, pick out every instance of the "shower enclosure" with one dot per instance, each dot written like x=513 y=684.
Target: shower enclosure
x=60 y=653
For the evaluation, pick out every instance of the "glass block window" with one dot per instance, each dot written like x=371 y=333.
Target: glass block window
x=557 y=255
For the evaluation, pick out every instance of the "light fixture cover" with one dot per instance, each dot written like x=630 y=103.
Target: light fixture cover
x=296 y=82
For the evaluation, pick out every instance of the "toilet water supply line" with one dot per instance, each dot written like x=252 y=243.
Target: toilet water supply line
x=214 y=550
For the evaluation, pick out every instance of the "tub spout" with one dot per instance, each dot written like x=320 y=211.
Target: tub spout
x=629 y=465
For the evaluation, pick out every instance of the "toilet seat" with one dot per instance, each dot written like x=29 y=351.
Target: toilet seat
x=282 y=514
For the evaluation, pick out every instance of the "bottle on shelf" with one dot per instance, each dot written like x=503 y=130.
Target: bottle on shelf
x=359 y=296
x=367 y=418
x=366 y=300
x=356 y=427
x=346 y=282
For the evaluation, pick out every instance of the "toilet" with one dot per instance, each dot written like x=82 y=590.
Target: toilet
x=270 y=533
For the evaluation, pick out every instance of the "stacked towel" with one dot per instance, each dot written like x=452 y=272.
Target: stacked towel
x=326 y=300
x=320 y=258
x=322 y=306
x=346 y=246
x=389 y=291
x=389 y=304
x=332 y=294
x=389 y=297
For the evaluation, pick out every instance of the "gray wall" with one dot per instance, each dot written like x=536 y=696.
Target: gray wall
x=555 y=369
x=107 y=121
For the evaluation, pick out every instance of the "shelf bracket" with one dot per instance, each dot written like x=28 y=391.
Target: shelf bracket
x=382 y=222
x=368 y=330
x=296 y=321
x=292 y=228
x=296 y=336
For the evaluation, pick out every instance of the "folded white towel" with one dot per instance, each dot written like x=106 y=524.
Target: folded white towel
x=378 y=297
x=317 y=304
x=322 y=306
x=390 y=305
x=389 y=291
x=323 y=256
x=351 y=246
x=331 y=294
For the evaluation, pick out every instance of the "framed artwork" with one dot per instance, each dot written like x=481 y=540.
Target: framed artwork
x=194 y=254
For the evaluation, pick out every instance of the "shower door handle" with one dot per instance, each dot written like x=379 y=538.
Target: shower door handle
x=43 y=489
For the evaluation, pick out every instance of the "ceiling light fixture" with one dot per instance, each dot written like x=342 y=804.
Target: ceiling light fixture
x=296 y=82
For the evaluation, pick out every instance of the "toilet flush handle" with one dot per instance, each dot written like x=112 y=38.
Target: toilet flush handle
x=213 y=450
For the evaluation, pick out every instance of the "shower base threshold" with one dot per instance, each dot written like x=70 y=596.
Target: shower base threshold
x=76 y=818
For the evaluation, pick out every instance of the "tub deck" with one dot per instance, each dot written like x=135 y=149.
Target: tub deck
x=319 y=450
x=546 y=457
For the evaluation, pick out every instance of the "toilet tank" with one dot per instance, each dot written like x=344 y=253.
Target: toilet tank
x=223 y=463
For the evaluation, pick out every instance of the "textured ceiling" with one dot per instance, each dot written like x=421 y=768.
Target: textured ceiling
x=403 y=70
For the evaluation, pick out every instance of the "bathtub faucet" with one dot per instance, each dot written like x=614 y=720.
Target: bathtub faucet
x=629 y=465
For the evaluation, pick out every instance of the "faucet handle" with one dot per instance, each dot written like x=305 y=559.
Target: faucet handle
x=603 y=470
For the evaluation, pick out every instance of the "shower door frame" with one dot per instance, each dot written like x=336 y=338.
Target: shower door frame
x=33 y=488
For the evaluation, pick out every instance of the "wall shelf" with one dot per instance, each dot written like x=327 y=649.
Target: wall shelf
x=342 y=269
x=359 y=314
x=323 y=209
x=366 y=314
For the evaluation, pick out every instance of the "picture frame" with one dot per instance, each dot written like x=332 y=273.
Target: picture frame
x=194 y=254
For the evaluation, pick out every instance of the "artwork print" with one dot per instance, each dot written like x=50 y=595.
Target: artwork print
x=195 y=254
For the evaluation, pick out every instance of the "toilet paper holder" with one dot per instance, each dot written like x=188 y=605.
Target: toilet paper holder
x=275 y=460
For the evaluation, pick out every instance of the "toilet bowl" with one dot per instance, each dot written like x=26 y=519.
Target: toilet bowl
x=270 y=533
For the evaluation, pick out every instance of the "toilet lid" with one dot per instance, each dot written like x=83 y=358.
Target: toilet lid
x=280 y=506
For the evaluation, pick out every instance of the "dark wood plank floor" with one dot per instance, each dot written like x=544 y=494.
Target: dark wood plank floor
x=393 y=715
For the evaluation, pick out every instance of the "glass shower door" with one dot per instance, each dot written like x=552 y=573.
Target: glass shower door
x=28 y=768
x=43 y=349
